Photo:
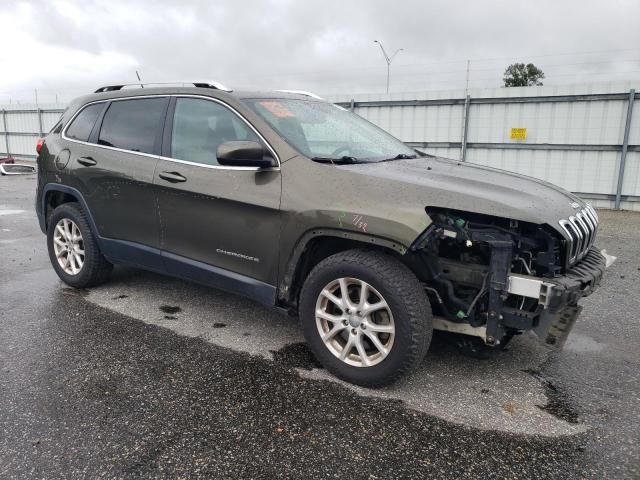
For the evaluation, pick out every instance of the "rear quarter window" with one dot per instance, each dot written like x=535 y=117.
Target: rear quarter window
x=81 y=126
x=133 y=124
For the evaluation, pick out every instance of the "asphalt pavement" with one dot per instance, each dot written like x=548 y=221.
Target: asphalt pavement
x=153 y=377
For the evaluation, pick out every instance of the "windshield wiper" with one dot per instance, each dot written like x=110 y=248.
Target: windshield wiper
x=345 y=160
x=400 y=156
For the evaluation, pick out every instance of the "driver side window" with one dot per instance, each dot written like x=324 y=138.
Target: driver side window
x=200 y=126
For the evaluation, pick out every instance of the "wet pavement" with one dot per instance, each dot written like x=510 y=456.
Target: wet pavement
x=149 y=376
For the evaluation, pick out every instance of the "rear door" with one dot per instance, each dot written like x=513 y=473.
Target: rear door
x=114 y=171
x=216 y=216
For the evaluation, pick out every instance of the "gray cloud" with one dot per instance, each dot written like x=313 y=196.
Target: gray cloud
x=325 y=46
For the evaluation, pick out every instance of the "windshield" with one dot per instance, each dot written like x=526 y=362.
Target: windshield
x=326 y=132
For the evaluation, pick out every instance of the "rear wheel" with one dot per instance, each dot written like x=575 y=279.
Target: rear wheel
x=73 y=249
x=365 y=317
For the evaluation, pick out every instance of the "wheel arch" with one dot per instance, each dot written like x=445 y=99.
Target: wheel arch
x=318 y=244
x=54 y=195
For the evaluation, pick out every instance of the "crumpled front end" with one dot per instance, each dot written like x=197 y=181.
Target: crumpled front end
x=493 y=278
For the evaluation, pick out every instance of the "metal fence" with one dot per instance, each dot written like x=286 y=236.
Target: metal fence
x=585 y=138
x=22 y=125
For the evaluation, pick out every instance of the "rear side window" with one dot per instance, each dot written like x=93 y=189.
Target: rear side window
x=133 y=124
x=81 y=127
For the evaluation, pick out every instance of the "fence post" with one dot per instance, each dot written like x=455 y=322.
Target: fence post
x=465 y=127
x=6 y=131
x=625 y=146
x=40 y=122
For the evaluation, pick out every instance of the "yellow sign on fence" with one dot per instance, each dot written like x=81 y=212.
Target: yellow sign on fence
x=518 y=134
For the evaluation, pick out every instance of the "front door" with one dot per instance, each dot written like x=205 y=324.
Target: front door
x=216 y=222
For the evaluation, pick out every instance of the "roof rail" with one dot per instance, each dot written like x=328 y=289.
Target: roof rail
x=199 y=84
x=302 y=92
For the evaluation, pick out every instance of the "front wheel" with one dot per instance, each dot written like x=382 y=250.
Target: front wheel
x=366 y=317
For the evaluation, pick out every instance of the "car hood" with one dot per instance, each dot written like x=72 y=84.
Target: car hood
x=440 y=182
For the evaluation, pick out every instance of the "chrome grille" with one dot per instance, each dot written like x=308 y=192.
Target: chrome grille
x=581 y=229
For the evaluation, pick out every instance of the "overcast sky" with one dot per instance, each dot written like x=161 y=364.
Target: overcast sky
x=71 y=47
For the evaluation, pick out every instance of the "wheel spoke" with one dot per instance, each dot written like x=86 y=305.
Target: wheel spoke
x=328 y=317
x=364 y=294
x=347 y=348
x=374 y=327
x=67 y=231
x=344 y=291
x=376 y=342
x=332 y=333
x=75 y=233
x=59 y=241
x=332 y=298
x=374 y=307
x=361 y=351
x=60 y=230
x=72 y=263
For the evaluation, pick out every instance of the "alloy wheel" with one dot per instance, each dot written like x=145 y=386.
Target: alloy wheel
x=68 y=246
x=355 y=322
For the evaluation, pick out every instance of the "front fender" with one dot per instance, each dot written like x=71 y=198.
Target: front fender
x=302 y=243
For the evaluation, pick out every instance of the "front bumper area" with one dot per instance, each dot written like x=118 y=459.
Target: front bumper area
x=562 y=311
x=558 y=297
x=557 y=309
x=581 y=280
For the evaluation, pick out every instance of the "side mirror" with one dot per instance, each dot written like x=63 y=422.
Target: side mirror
x=244 y=154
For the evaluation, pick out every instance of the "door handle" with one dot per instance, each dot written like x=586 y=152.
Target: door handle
x=87 y=161
x=173 y=177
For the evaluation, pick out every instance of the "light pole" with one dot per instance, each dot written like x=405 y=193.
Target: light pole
x=388 y=59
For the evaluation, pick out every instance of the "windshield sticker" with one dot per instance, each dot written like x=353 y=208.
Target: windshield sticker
x=278 y=109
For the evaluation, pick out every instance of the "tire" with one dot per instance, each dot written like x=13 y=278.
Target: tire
x=94 y=268
x=403 y=327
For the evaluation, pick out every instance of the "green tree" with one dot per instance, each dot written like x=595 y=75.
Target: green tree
x=521 y=75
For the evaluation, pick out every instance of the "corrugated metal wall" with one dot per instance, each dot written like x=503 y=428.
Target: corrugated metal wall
x=574 y=133
x=573 y=138
x=25 y=123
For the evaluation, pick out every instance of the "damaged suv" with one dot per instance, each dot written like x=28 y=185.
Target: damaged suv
x=298 y=203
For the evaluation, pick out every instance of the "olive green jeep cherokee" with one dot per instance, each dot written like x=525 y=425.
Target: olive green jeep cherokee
x=300 y=204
